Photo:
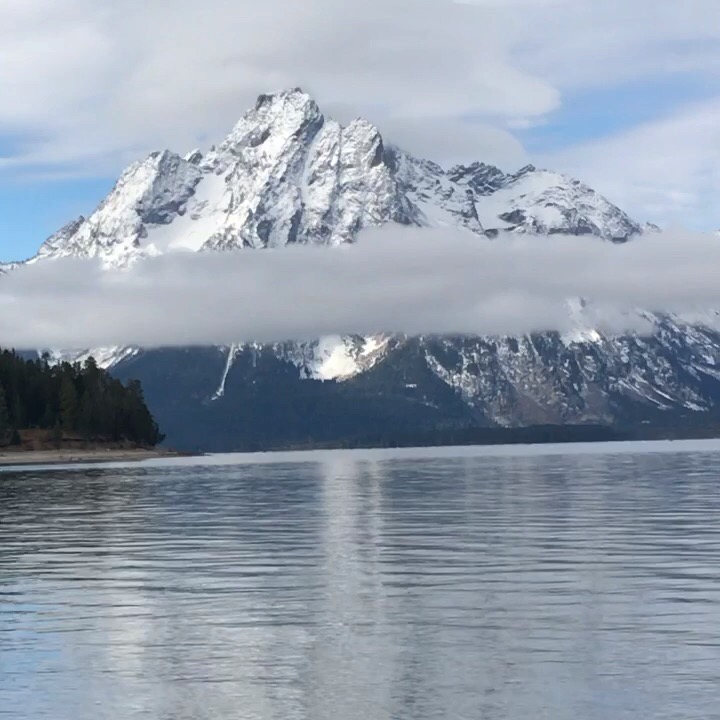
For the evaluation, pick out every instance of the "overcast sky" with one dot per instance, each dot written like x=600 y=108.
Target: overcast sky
x=414 y=281
x=622 y=94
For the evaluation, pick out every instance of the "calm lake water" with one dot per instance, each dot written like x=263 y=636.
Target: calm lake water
x=561 y=583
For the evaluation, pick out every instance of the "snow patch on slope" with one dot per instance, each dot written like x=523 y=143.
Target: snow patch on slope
x=151 y=192
x=233 y=352
x=335 y=357
x=545 y=202
x=105 y=358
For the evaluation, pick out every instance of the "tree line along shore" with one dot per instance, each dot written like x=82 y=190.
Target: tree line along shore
x=46 y=405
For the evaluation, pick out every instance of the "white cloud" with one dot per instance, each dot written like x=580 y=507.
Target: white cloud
x=455 y=141
x=593 y=43
x=92 y=80
x=395 y=280
x=89 y=85
x=99 y=81
x=666 y=171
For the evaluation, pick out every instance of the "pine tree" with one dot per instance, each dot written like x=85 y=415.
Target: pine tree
x=18 y=414
x=68 y=404
x=4 y=417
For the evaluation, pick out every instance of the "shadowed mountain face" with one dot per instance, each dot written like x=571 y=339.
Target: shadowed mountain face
x=286 y=174
x=266 y=398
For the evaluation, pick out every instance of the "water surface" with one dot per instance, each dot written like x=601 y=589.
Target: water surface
x=558 y=583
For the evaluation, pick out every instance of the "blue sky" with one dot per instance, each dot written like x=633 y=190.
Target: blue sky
x=31 y=210
x=590 y=114
x=623 y=96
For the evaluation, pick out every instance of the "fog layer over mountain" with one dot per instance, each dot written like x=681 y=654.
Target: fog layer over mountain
x=394 y=280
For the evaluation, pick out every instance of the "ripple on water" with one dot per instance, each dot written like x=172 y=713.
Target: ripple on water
x=362 y=585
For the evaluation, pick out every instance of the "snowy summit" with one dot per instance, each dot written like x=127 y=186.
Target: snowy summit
x=287 y=174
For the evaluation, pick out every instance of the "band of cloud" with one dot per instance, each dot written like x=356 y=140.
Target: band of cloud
x=394 y=280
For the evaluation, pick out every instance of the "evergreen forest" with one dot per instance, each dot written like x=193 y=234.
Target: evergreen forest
x=72 y=401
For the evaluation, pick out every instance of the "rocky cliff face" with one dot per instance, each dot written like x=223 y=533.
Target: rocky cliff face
x=287 y=174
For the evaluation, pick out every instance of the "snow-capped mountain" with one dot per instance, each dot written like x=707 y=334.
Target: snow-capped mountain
x=287 y=174
x=530 y=200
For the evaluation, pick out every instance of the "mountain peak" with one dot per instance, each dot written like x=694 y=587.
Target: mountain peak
x=296 y=93
x=481 y=178
x=527 y=170
x=294 y=101
x=275 y=122
x=286 y=174
x=194 y=157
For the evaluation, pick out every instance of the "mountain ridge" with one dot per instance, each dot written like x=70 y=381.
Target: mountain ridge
x=285 y=175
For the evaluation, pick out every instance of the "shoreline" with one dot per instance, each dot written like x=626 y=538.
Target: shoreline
x=19 y=458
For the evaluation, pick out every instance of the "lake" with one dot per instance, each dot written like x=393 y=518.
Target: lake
x=567 y=583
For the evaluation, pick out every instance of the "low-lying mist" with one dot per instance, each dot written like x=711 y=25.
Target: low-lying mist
x=394 y=280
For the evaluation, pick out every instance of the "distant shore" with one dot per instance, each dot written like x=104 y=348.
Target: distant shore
x=72 y=456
